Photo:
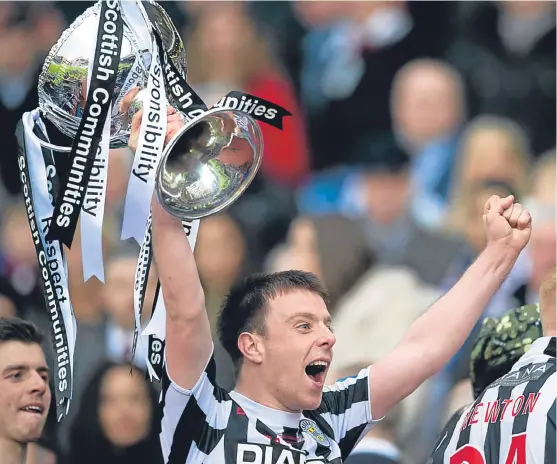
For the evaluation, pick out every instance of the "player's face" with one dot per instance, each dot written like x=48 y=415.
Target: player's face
x=24 y=391
x=298 y=349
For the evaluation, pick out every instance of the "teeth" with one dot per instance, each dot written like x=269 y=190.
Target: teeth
x=33 y=409
x=319 y=363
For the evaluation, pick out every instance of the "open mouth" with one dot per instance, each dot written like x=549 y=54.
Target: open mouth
x=33 y=409
x=316 y=371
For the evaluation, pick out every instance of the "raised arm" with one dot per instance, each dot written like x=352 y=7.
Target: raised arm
x=438 y=334
x=188 y=333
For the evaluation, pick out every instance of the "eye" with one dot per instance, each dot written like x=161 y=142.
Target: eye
x=304 y=326
x=15 y=376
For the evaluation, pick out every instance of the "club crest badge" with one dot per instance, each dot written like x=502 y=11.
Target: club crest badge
x=312 y=428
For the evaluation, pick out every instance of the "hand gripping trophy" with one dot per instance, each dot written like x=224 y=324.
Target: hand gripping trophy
x=116 y=47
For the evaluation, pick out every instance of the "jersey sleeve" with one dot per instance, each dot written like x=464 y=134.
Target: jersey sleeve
x=192 y=420
x=346 y=409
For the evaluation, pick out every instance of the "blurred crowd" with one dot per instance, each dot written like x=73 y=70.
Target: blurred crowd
x=407 y=116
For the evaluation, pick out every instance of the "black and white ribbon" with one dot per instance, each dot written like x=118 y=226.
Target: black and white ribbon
x=39 y=181
x=96 y=112
x=150 y=146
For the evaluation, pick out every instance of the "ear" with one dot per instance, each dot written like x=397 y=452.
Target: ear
x=251 y=347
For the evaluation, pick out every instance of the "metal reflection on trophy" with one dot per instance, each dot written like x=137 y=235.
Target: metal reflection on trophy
x=209 y=163
x=63 y=80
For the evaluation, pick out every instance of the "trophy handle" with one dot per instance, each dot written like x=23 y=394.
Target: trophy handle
x=42 y=143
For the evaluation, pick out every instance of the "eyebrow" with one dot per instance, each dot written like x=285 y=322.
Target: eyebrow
x=22 y=367
x=328 y=320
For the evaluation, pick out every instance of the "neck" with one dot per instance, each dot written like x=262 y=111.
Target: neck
x=251 y=389
x=12 y=452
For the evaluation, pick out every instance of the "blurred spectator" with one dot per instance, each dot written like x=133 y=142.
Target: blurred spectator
x=27 y=31
x=492 y=148
x=428 y=109
x=118 y=419
x=349 y=70
x=541 y=203
x=332 y=247
x=506 y=54
x=228 y=50
x=110 y=336
x=379 y=195
x=371 y=319
x=427 y=103
x=380 y=444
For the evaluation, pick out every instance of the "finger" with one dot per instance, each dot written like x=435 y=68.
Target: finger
x=127 y=100
x=173 y=119
x=170 y=110
x=136 y=121
x=507 y=213
x=491 y=204
x=515 y=214
x=524 y=220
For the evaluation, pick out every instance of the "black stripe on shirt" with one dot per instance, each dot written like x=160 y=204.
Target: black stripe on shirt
x=348 y=442
x=438 y=455
x=532 y=387
x=492 y=442
x=236 y=432
x=338 y=401
x=193 y=428
x=550 y=432
x=464 y=436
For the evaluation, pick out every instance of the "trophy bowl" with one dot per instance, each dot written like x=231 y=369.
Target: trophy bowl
x=209 y=164
x=62 y=84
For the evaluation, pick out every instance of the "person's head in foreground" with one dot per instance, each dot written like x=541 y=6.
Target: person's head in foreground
x=502 y=341
x=24 y=387
x=277 y=329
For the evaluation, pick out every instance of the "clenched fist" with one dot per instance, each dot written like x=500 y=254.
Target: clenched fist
x=507 y=223
x=173 y=122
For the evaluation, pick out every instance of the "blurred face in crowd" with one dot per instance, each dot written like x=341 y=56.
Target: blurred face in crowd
x=24 y=391
x=225 y=31
x=17 y=242
x=526 y=8
x=475 y=207
x=490 y=154
x=7 y=307
x=426 y=102
x=219 y=252
x=386 y=195
x=125 y=408
x=316 y=14
x=543 y=242
x=301 y=249
x=297 y=336
x=118 y=291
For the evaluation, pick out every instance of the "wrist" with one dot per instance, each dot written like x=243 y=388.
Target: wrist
x=500 y=257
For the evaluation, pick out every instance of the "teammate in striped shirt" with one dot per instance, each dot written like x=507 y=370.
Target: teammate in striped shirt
x=512 y=419
x=277 y=330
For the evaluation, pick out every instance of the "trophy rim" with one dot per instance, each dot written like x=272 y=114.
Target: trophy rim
x=192 y=216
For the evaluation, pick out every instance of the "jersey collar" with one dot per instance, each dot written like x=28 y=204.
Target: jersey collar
x=541 y=351
x=268 y=416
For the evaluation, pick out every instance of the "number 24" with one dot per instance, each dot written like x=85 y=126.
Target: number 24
x=469 y=454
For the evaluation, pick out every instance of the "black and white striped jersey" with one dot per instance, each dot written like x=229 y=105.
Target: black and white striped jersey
x=212 y=426
x=512 y=421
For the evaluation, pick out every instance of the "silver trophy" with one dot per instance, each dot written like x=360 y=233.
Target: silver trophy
x=221 y=150
x=209 y=164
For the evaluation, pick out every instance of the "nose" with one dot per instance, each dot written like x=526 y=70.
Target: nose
x=328 y=338
x=37 y=384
